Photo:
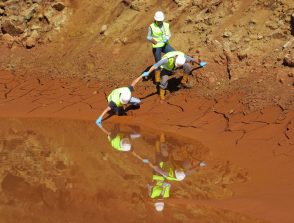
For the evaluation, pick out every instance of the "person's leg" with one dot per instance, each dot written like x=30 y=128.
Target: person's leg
x=163 y=83
x=121 y=111
x=135 y=101
x=157 y=57
x=187 y=71
x=157 y=54
x=168 y=48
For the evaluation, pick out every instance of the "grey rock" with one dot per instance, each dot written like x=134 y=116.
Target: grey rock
x=289 y=59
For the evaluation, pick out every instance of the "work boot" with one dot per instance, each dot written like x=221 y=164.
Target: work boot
x=157 y=76
x=185 y=79
x=185 y=82
x=162 y=93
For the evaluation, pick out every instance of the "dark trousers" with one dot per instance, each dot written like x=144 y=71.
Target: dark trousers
x=157 y=51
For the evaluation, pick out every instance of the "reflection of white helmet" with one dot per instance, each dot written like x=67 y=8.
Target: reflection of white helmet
x=159 y=206
x=180 y=175
x=125 y=145
x=159 y=16
x=180 y=60
x=125 y=97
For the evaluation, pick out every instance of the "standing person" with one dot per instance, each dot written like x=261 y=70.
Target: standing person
x=120 y=97
x=170 y=62
x=159 y=35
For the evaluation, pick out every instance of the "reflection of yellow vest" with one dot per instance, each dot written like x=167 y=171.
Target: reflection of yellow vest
x=115 y=95
x=160 y=189
x=115 y=143
x=159 y=33
x=171 y=60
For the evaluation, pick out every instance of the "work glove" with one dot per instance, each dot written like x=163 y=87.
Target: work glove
x=145 y=74
x=145 y=161
x=202 y=64
x=99 y=121
x=165 y=39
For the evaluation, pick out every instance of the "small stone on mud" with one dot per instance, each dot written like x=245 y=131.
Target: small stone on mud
x=227 y=34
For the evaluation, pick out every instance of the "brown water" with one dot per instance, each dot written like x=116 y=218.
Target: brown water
x=68 y=171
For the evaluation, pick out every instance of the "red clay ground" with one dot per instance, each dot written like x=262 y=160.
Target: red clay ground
x=260 y=142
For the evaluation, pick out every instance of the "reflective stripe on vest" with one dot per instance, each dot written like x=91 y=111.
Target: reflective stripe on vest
x=115 y=95
x=159 y=33
x=171 y=60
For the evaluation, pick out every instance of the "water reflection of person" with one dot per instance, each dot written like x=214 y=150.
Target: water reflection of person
x=165 y=170
x=120 y=140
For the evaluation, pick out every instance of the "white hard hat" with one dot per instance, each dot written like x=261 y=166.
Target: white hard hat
x=159 y=206
x=125 y=97
x=180 y=175
x=180 y=60
x=159 y=16
x=125 y=145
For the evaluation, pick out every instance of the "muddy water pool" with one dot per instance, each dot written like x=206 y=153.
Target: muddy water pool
x=73 y=171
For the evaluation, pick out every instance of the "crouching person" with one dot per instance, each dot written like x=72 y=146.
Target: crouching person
x=120 y=97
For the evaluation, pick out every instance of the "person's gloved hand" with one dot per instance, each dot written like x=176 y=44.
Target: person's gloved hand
x=99 y=121
x=202 y=64
x=145 y=74
x=165 y=39
x=145 y=161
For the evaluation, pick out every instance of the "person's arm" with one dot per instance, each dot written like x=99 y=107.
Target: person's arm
x=155 y=66
x=160 y=171
x=104 y=130
x=167 y=35
x=155 y=168
x=149 y=36
x=191 y=59
x=197 y=61
x=99 y=120
x=137 y=80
